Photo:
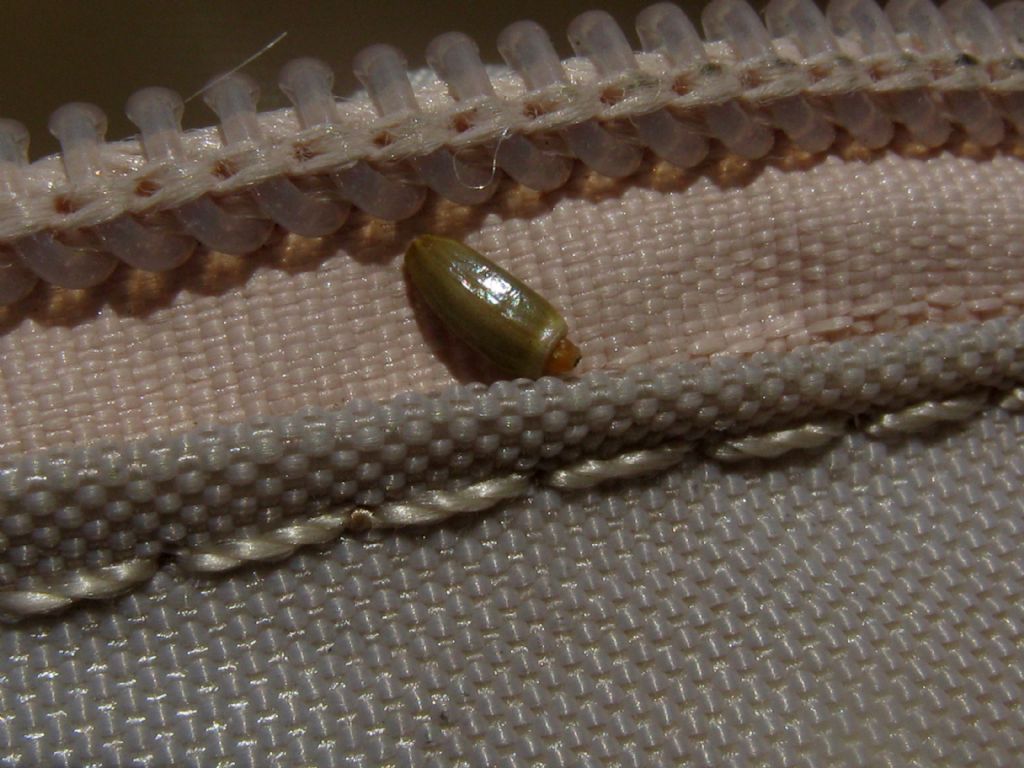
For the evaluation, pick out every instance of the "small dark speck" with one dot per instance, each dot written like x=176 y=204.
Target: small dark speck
x=302 y=152
x=64 y=205
x=966 y=60
x=146 y=188
x=223 y=170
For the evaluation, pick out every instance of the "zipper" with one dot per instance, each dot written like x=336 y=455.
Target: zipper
x=72 y=218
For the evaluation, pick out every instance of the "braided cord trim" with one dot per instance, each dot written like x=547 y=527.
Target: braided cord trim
x=771 y=445
x=1014 y=401
x=437 y=506
x=922 y=416
x=86 y=584
x=218 y=499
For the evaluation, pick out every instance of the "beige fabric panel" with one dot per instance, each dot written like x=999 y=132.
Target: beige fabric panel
x=664 y=268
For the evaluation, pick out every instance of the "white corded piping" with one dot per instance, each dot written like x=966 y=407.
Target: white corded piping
x=1014 y=400
x=86 y=584
x=922 y=416
x=438 y=505
x=771 y=445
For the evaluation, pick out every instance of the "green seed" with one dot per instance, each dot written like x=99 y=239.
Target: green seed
x=489 y=309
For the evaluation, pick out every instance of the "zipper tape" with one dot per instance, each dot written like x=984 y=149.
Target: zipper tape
x=70 y=219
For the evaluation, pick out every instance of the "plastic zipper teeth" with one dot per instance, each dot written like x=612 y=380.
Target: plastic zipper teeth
x=69 y=219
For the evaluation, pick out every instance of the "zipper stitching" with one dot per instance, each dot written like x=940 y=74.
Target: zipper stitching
x=131 y=184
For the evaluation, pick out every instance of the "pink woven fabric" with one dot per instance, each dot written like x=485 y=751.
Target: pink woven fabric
x=665 y=267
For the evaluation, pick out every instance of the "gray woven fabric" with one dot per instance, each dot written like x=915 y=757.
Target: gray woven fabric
x=858 y=607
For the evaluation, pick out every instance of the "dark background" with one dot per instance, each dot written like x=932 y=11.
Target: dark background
x=55 y=51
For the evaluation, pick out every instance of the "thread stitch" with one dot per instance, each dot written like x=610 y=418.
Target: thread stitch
x=1014 y=401
x=771 y=445
x=591 y=472
x=923 y=416
x=87 y=584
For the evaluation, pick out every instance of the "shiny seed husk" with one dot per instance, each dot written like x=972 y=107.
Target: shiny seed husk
x=492 y=311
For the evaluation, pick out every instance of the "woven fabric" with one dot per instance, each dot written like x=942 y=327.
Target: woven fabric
x=664 y=268
x=110 y=503
x=857 y=607
x=857 y=604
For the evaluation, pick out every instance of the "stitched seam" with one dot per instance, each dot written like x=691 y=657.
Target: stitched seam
x=108 y=501
x=439 y=505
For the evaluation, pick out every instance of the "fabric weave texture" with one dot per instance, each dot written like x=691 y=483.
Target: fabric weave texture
x=856 y=604
x=856 y=607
